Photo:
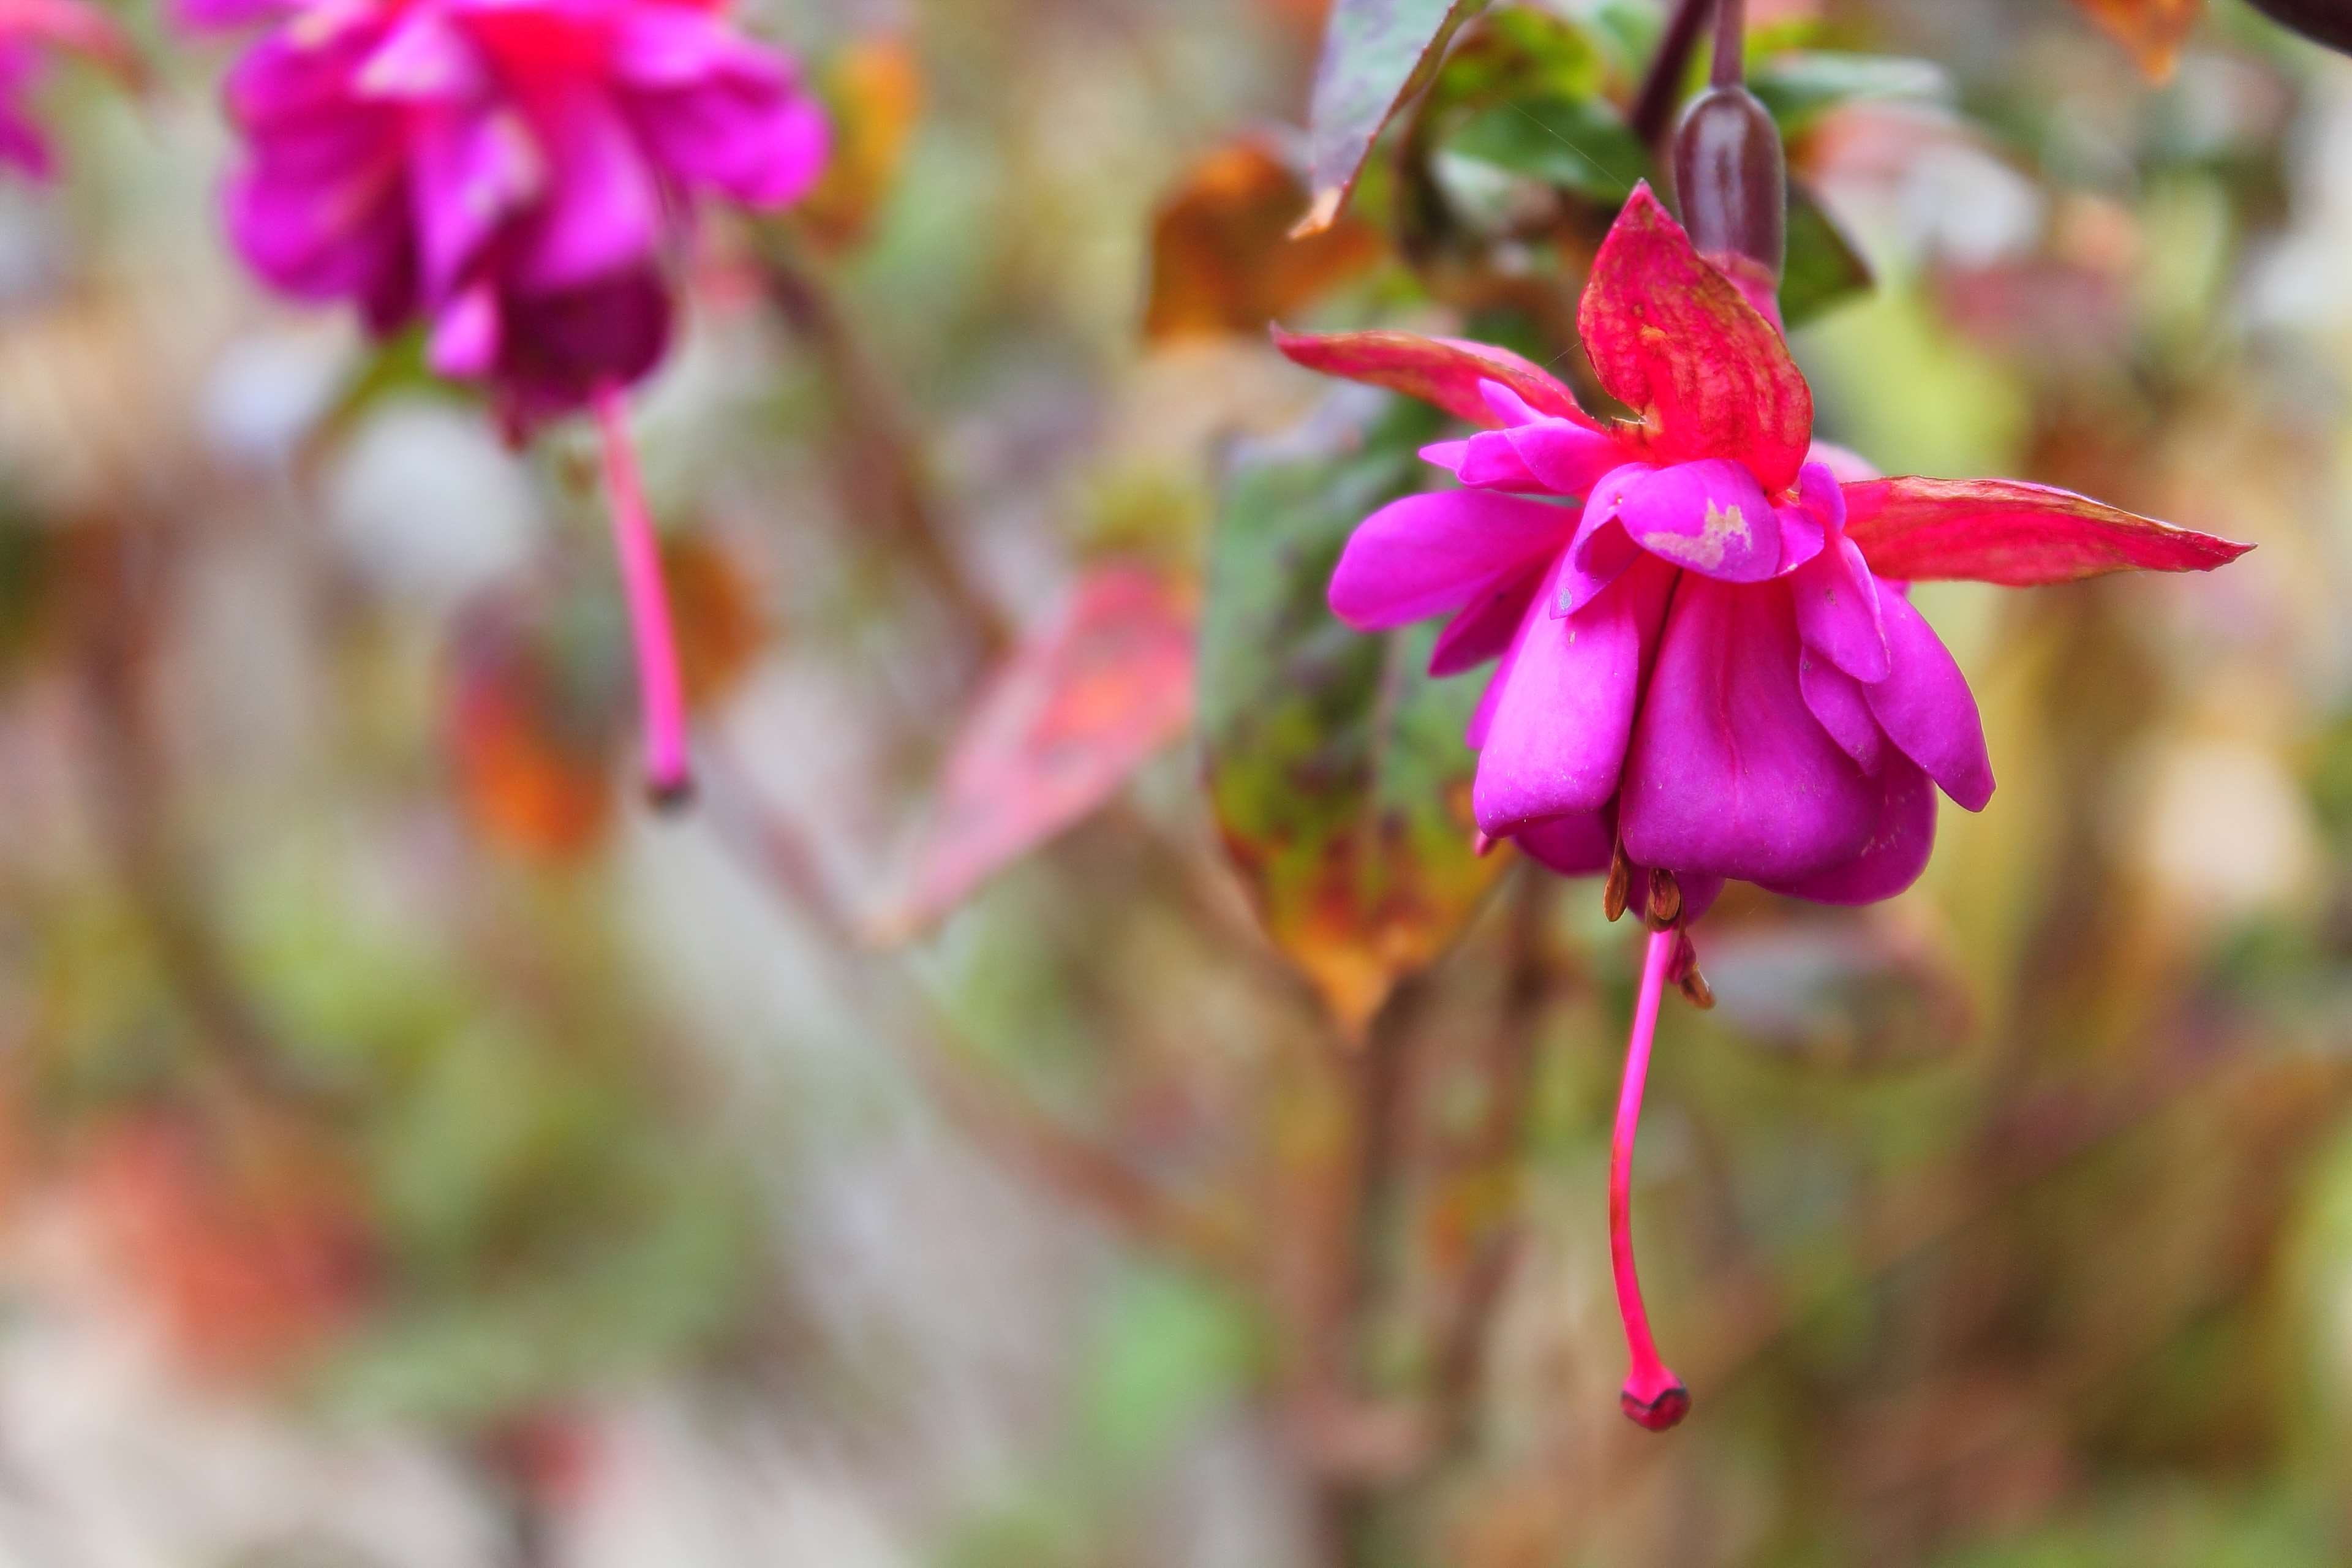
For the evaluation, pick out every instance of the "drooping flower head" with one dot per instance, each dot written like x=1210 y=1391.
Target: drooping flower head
x=29 y=31
x=513 y=173
x=517 y=176
x=1706 y=664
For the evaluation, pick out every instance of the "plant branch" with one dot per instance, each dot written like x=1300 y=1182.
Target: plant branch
x=1652 y=113
x=879 y=464
x=1060 y=1159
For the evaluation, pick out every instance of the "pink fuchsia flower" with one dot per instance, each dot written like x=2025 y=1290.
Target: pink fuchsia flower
x=29 y=29
x=515 y=175
x=1706 y=664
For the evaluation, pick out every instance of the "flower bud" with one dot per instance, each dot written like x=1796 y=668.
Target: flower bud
x=1733 y=185
x=2326 y=21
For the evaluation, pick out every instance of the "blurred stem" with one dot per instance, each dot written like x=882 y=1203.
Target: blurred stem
x=880 y=468
x=1498 y=1160
x=129 y=788
x=993 y=1114
x=636 y=547
x=1652 y=113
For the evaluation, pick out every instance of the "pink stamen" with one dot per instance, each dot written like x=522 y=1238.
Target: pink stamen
x=1653 y=1396
x=661 y=689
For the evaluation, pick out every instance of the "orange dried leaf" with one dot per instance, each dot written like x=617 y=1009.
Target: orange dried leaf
x=874 y=90
x=2153 y=30
x=532 y=750
x=1055 y=732
x=253 y=1254
x=720 y=627
x=1222 y=258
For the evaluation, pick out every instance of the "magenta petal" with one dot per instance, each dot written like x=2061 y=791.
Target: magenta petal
x=474 y=171
x=1557 y=740
x=1710 y=516
x=1838 y=700
x=1803 y=538
x=1490 y=461
x=425 y=58
x=1601 y=550
x=22 y=145
x=1482 y=718
x=1578 y=844
x=1897 y=851
x=1729 y=772
x=761 y=143
x=1837 y=610
x=1567 y=459
x=603 y=213
x=466 y=335
x=1428 y=554
x=1484 y=626
x=1925 y=709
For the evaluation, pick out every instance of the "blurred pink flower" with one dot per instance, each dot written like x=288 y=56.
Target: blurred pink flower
x=1707 y=664
x=515 y=173
x=511 y=170
x=28 y=30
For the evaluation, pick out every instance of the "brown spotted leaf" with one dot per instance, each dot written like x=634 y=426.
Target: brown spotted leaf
x=1375 y=52
x=1057 y=732
x=1222 y=257
x=1335 y=766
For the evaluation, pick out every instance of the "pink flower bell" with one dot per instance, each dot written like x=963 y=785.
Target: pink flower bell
x=516 y=174
x=1708 y=667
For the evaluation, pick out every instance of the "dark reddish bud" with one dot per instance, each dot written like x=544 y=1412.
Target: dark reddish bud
x=2326 y=21
x=1733 y=184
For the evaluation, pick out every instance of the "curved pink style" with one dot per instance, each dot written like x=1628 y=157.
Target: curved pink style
x=1652 y=1397
x=1706 y=667
x=661 y=688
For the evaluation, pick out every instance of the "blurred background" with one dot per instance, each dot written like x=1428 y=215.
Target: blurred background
x=963 y=1139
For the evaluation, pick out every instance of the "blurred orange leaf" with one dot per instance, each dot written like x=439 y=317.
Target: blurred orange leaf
x=253 y=1248
x=1222 y=258
x=721 y=628
x=874 y=90
x=2153 y=30
x=532 y=732
x=1055 y=732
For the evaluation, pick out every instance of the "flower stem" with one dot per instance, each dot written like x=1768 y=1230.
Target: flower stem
x=1653 y=1396
x=1661 y=89
x=1731 y=62
x=661 y=689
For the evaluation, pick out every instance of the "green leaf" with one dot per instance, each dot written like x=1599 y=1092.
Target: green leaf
x=1824 y=269
x=1336 y=767
x=1577 y=145
x=1375 y=53
x=1801 y=86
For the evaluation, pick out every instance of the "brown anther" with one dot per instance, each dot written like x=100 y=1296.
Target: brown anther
x=1665 y=900
x=1684 y=973
x=1620 y=885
